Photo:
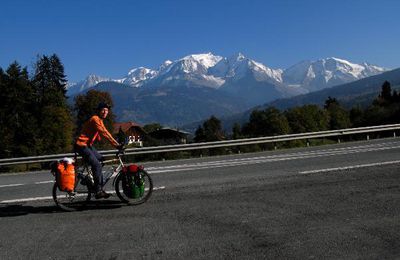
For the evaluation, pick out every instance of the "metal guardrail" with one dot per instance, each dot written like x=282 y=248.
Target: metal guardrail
x=217 y=144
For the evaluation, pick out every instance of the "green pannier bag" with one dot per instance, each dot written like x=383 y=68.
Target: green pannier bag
x=133 y=182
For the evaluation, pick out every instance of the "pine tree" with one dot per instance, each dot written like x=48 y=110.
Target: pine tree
x=385 y=97
x=213 y=130
x=5 y=133
x=53 y=114
x=330 y=102
x=50 y=82
x=395 y=96
x=18 y=125
x=385 y=109
x=339 y=118
x=386 y=93
x=199 y=135
x=357 y=117
x=236 y=131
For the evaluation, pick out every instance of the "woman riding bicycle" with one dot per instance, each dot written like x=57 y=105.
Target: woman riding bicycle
x=91 y=131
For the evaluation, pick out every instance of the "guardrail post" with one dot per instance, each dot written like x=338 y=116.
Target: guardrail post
x=275 y=146
x=394 y=134
x=338 y=140
x=367 y=137
x=308 y=143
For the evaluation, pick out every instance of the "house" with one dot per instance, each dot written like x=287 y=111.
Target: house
x=170 y=136
x=132 y=131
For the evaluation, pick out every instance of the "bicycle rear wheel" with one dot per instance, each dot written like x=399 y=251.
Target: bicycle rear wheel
x=71 y=201
x=148 y=189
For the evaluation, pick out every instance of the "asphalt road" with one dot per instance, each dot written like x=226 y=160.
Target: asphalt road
x=329 y=202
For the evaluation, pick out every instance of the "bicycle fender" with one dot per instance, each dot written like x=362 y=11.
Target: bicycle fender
x=116 y=176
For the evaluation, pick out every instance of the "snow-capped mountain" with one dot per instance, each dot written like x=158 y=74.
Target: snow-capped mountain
x=209 y=70
x=191 y=70
x=164 y=65
x=199 y=85
x=200 y=70
x=90 y=81
x=135 y=78
x=324 y=73
x=138 y=76
x=238 y=66
x=250 y=80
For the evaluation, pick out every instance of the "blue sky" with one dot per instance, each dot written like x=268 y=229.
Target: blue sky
x=108 y=38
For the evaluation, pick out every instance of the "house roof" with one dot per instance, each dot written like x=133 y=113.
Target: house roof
x=125 y=126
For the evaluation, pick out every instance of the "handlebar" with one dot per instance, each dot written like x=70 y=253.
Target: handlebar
x=120 y=152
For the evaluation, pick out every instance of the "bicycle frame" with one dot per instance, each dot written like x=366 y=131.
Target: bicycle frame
x=115 y=172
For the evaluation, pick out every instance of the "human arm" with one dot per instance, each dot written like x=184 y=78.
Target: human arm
x=102 y=130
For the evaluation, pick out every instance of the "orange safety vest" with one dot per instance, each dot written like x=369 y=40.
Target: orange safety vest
x=92 y=130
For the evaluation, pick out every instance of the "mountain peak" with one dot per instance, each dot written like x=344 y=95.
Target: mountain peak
x=237 y=57
x=137 y=76
x=343 y=61
x=167 y=62
x=134 y=70
x=206 y=59
x=327 y=72
x=164 y=65
x=90 y=81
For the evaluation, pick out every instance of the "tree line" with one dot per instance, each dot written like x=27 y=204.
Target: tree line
x=385 y=109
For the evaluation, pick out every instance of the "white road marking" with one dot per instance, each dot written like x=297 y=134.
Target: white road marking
x=43 y=182
x=27 y=199
x=11 y=185
x=51 y=197
x=350 y=167
x=22 y=184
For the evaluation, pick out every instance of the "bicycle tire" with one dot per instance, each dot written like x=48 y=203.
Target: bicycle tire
x=148 y=189
x=68 y=202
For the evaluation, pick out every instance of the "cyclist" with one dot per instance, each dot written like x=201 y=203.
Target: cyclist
x=91 y=131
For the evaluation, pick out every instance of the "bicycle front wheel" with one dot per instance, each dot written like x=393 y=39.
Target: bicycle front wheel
x=126 y=197
x=71 y=201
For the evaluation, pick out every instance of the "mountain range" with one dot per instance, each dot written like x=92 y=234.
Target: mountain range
x=199 y=85
x=357 y=93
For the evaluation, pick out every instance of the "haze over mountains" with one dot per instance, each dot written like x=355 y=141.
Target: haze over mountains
x=200 y=85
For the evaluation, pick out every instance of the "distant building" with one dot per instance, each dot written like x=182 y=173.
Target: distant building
x=170 y=136
x=132 y=131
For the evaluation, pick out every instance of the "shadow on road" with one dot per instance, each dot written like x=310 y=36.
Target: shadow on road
x=14 y=210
